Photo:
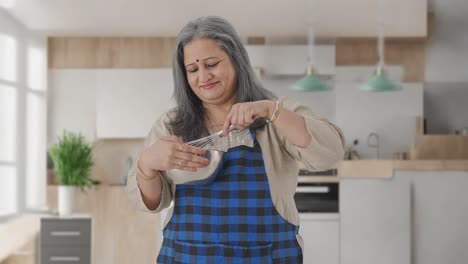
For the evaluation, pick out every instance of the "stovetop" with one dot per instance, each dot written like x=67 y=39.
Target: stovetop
x=332 y=172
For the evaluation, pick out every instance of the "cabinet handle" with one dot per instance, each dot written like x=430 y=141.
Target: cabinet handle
x=60 y=258
x=65 y=233
x=313 y=189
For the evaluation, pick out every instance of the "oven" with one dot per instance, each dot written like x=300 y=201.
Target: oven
x=314 y=196
x=317 y=197
x=318 y=204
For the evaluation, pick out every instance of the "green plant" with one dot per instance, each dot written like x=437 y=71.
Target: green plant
x=73 y=159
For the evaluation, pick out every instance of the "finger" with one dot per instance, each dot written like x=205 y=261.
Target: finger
x=184 y=148
x=178 y=167
x=240 y=117
x=192 y=158
x=179 y=163
x=239 y=122
x=227 y=124
x=248 y=117
x=234 y=117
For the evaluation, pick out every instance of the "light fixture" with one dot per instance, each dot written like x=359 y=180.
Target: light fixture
x=311 y=82
x=380 y=82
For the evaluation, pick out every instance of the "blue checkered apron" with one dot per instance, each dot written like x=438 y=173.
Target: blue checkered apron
x=230 y=220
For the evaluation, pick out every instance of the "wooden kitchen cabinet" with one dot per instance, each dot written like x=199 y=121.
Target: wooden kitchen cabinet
x=410 y=211
x=375 y=221
x=320 y=233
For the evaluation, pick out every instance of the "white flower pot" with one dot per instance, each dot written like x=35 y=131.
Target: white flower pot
x=66 y=199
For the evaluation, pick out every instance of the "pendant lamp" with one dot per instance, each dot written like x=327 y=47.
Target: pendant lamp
x=311 y=82
x=380 y=82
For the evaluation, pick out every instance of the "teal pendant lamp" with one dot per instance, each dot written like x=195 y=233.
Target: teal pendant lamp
x=311 y=82
x=380 y=82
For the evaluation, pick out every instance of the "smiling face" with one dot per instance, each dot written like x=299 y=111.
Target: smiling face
x=210 y=72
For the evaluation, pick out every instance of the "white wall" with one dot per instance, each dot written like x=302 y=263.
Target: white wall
x=447 y=49
x=72 y=103
x=445 y=107
x=108 y=103
x=357 y=113
x=392 y=115
x=446 y=68
x=322 y=103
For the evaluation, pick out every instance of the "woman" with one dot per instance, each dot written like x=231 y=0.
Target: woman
x=247 y=214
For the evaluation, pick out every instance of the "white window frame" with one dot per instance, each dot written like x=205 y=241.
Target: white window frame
x=25 y=41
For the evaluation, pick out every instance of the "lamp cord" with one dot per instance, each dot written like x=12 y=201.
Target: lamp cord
x=310 y=38
x=381 y=39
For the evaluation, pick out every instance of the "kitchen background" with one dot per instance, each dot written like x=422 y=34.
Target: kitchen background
x=111 y=86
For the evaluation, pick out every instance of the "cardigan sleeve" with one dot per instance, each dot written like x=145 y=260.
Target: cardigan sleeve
x=158 y=130
x=327 y=140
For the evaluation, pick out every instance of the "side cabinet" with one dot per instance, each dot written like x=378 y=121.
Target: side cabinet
x=375 y=221
x=65 y=240
x=321 y=234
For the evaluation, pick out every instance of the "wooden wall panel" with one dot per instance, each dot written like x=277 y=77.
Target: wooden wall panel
x=156 y=52
x=110 y=52
x=74 y=52
x=438 y=147
x=444 y=147
x=410 y=53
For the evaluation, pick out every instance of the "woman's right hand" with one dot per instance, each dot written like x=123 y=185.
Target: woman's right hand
x=171 y=153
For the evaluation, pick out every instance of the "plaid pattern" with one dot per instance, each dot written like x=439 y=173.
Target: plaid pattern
x=231 y=220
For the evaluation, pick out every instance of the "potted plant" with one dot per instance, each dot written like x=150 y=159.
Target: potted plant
x=73 y=159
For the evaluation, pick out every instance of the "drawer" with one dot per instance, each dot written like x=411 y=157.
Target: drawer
x=65 y=255
x=66 y=232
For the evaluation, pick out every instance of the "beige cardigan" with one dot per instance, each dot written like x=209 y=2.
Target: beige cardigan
x=280 y=156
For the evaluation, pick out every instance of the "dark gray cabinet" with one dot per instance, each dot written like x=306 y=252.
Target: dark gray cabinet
x=65 y=240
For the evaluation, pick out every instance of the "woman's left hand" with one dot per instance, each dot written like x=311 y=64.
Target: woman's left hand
x=242 y=115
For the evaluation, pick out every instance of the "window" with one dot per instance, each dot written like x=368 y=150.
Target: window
x=8 y=126
x=8 y=57
x=23 y=71
x=35 y=151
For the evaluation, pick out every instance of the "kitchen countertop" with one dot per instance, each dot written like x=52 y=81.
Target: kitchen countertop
x=17 y=233
x=318 y=179
x=377 y=169
x=385 y=168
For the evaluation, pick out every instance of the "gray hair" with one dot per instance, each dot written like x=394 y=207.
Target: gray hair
x=188 y=122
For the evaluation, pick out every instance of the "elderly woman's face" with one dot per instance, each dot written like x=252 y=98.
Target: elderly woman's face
x=210 y=71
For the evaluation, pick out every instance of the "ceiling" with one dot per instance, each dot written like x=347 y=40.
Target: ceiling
x=352 y=18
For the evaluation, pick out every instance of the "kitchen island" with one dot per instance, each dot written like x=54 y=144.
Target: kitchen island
x=410 y=211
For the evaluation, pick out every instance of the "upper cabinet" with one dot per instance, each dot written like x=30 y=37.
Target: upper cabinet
x=358 y=18
x=130 y=100
x=331 y=18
